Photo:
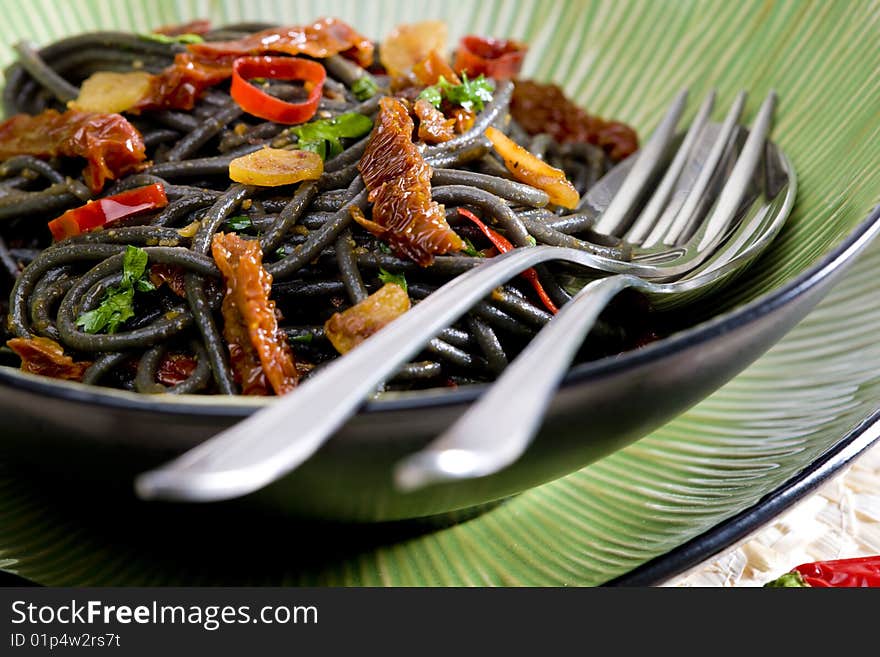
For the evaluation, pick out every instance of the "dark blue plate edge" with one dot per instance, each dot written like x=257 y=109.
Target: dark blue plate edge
x=729 y=532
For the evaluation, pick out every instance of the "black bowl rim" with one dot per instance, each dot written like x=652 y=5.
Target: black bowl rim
x=237 y=407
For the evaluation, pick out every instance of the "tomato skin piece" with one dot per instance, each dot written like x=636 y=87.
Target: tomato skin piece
x=261 y=357
x=399 y=184
x=501 y=59
x=111 y=145
x=103 y=211
x=44 y=356
x=324 y=38
x=259 y=103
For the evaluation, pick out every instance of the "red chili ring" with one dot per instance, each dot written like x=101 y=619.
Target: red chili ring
x=255 y=101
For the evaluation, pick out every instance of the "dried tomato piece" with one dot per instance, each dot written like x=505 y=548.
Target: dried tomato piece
x=434 y=127
x=260 y=354
x=399 y=183
x=409 y=44
x=175 y=369
x=197 y=26
x=541 y=107
x=172 y=275
x=111 y=145
x=432 y=68
x=501 y=59
x=44 y=356
x=348 y=329
x=322 y=39
x=181 y=84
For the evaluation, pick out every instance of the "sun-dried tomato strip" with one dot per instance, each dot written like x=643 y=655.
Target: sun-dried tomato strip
x=399 y=184
x=322 y=39
x=434 y=127
x=181 y=84
x=112 y=146
x=174 y=369
x=174 y=276
x=44 y=356
x=260 y=354
x=539 y=107
x=207 y=64
x=197 y=26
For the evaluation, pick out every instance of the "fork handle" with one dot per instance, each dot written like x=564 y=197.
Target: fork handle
x=499 y=426
x=278 y=438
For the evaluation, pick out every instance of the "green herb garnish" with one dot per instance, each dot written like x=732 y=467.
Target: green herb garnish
x=322 y=136
x=180 y=38
x=117 y=306
x=239 y=223
x=470 y=249
x=364 y=87
x=388 y=277
x=470 y=94
x=305 y=338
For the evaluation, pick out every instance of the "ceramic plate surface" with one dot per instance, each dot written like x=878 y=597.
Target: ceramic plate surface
x=802 y=399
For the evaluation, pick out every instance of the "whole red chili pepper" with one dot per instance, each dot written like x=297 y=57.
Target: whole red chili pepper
x=836 y=573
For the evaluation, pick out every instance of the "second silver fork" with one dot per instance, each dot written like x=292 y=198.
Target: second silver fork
x=278 y=438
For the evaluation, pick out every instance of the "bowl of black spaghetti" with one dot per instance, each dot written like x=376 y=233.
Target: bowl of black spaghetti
x=197 y=218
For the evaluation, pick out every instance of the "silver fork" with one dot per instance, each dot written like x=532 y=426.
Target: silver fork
x=497 y=429
x=262 y=448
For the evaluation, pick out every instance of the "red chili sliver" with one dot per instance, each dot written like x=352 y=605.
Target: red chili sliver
x=495 y=58
x=255 y=101
x=858 y=571
x=503 y=245
x=833 y=573
x=103 y=211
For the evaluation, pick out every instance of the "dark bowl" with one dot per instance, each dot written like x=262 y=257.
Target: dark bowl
x=600 y=407
x=102 y=437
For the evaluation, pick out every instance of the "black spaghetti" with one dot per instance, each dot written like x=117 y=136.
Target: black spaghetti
x=257 y=200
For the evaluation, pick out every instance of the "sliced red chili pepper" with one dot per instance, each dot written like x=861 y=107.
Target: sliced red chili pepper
x=108 y=210
x=833 y=573
x=494 y=58
x=503 y=245
x=259 y=103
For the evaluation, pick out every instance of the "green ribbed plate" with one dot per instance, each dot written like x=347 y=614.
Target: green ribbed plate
x=623 y=60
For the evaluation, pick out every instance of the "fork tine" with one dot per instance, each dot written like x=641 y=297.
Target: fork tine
x=645 y=223
x=651 y=154
x=738 y=182
x=687 y=215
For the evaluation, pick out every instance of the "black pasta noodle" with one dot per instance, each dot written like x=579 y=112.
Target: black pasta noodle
x=321 y=261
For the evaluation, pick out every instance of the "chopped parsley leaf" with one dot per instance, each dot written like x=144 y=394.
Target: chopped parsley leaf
x=388 y=277
x=323 y=136
x=470 y=94
x=117 y=306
